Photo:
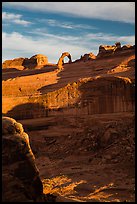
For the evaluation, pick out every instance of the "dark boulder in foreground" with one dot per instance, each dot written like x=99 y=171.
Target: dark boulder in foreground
x=20 y=176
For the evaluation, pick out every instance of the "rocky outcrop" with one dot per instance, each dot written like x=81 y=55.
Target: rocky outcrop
x=15 y=63
x=126 y=47
x=20 y=176
x=61 y=59
x=88 y=96
x=39 y=59
x=118 y=45
x=35 y=61
x=86 y=57
x=108 y=50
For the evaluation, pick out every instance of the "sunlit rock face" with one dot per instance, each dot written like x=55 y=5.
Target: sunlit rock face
x=15 y=63
x=61 y=59
x=20 y=176
x=106 y=50
x=86 y=57
x=89 y=56
x=36 y=61
x=40 y=59
x=109 y=50
x=98 y=96
x=110 y=95
x=23 y=63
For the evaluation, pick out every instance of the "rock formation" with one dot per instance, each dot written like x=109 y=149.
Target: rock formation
x=36 y=61
x=126 y=47
x=118 y=45
x=15 y=63
x=23 y=63
x=40 y=59
x=61 y=59
x=81 y=124
x=20 y=176
x=86 y=57
x=108 y=50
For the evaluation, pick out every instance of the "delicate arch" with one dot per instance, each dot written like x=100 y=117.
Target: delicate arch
x=61 y=59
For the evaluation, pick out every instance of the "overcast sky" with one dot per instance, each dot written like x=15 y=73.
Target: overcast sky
x=50 y=28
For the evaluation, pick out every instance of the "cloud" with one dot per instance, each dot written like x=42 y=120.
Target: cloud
x=85 y=40
x=14 y=18
x=113 y=11
x=67 y=25
x=111 y=38
x=17 y=45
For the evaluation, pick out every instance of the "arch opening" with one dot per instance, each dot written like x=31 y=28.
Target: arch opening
x=61 y=60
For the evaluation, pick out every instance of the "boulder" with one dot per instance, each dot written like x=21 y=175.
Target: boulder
x=20 y=175
x=108 y=137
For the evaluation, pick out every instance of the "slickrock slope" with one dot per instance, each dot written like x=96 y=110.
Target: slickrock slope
x=64 y=88
x=80 y=120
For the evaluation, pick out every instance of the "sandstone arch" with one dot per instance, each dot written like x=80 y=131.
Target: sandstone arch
x=61 y=59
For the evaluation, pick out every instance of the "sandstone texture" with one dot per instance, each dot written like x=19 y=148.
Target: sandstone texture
x=80 y=118
x=89 y=56
x=86 y=57
x=35 y=61
x=61 y=59
x=20 y=176
x=15 y=63
x=108 y=50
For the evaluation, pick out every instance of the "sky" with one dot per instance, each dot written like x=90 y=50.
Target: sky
x=51 y=28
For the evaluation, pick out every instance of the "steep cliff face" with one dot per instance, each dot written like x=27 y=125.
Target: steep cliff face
x=40 y=106
x=89 y=96
x=108 y=95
